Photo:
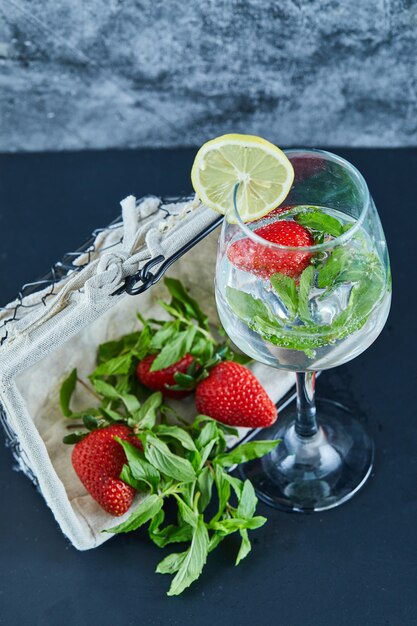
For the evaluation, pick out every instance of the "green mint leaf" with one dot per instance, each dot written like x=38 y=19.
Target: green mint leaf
x=130 y=340
x=208 y=433
x=175 y=349
x=247 y=501
x=74 y=437
x=171 y=534
x=304 y=288
x=201 y=419
x=156 y=522
x=139 y=467
x=320 y=221
x=186 y=514
x=127 y=477
x=105 y=389
x=66 y=391
x=141 y=346
x=215 y=539
x=90 y=422
x=147 y=509
x=245 y=306
x=365 y=295
x=202 y=349
x=205 y=485
x=146 y=415
x=236 y=484
x=118 y=365
x=205 y=453
x=109 y=350
x=177 y=433
x=163 y=335
x=131 y=402
x=246 y=452
x=337 y=261
x=189 y=305
x=194 y=561
x=233 y=524
x=112 y=415
x=171 y=563
x=286 y=289
x=245 y=546
x=223 y=490
x=161 y=457
x=292 y=339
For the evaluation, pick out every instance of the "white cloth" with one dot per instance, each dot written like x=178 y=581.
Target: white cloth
x=55 y=333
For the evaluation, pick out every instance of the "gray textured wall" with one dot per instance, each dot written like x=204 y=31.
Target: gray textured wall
x=80 y=74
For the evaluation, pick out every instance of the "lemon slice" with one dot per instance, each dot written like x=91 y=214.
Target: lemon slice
x=263 y=172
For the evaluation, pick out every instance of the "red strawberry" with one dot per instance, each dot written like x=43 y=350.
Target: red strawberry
x=264 y=261
x=157 y=381
x=98 y=460
x=233 y=395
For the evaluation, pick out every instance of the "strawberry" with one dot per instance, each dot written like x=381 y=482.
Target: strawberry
x=259 y=259
x=233 y=395
x=98 y=460
x=158 y=381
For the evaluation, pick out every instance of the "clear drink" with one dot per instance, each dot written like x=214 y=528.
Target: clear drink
x=326 y=316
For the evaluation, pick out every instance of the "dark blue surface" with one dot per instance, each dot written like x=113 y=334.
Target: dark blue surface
x=353 y=566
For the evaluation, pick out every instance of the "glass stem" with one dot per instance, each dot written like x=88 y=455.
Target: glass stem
x=306 y=423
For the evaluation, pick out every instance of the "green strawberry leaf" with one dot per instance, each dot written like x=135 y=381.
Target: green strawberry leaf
x=66 y=391
x=74 y=437
x=90 y=422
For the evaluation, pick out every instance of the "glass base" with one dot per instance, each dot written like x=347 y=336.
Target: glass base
x=317 y=473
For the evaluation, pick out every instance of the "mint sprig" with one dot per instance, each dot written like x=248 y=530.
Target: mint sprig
x=179 y=469
x=180 y=463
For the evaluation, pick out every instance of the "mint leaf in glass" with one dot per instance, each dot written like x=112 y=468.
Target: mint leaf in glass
x=286 y=289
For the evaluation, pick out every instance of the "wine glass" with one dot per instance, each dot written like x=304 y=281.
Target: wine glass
x=314 y=301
